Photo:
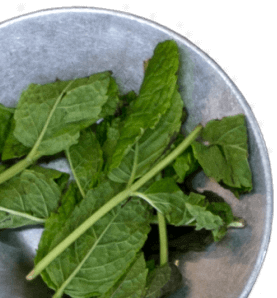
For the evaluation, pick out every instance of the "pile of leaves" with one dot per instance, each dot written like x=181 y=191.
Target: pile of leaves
x=128 y=171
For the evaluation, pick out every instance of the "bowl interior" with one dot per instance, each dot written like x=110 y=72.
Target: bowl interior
x=70 y=43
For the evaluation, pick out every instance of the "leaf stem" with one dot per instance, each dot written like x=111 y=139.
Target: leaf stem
x=15 y=169
x=74 y=174
x=134 y=168
x=119 y=198
x=163 y=240
x=21 y=214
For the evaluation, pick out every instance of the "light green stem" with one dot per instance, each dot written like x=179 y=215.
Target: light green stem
x=15 y=169
x=119 y=198
x=163 y=240
x=134 y=168
x=21 y=214
x=68 y=155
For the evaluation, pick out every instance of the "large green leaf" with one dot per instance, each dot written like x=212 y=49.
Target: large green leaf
x=98 y=258
x=132 y=284
x=5 y=120
x=28 y=198
x=14 y=148
x=223 y=153
x=50 y=116
x=151 y=146
x=156 y=280
x=154 y=98
x=86 y=161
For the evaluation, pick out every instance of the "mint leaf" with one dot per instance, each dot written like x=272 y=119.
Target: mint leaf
x=96 y=261
x=225 y=212
x=132 y=284
x=86 y=161
x=197 y=208
x=51 y=121
x=223 y=153
x=168 y=199
x=12 y=147
x=156 y=280
x=180 y=209
x=5 y=119
x=59 y=177
x=185 y=164
x=55 y=222
x=154 y=98
x=112 y=137
x=28 y=199
x=152 y=145
x=15 y=149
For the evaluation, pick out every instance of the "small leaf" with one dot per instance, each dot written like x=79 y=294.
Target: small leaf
x=223 y=153
x=85 y=159
x=28 y=198
x=179 y=209
x=185 y=164
x=168 y=199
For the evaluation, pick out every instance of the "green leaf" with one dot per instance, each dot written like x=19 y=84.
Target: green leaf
x=28 y=198
x=5 y=120
x=86 y=161
x=168 y=199
x=126 y=103
x=98 y=258
x=56 y=221
x=59 y=177
x=49 y=117
x=185 y=164
x=197 y=207
x=157 y=280
x=12 y=147
x=223 y=153
x=112 y=137
x=152 y=145
x=180 y=209
x=132 y=284
x=225 y=212
x=15 y=149
x=154 y=98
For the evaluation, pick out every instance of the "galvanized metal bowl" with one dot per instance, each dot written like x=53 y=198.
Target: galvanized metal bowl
x=76 y=42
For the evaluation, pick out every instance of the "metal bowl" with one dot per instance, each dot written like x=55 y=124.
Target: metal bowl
x=76 y=42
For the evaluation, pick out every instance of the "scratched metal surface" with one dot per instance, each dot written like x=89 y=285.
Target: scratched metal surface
x=76 y=42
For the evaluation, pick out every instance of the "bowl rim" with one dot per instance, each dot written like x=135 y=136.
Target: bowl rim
x=247 y=110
